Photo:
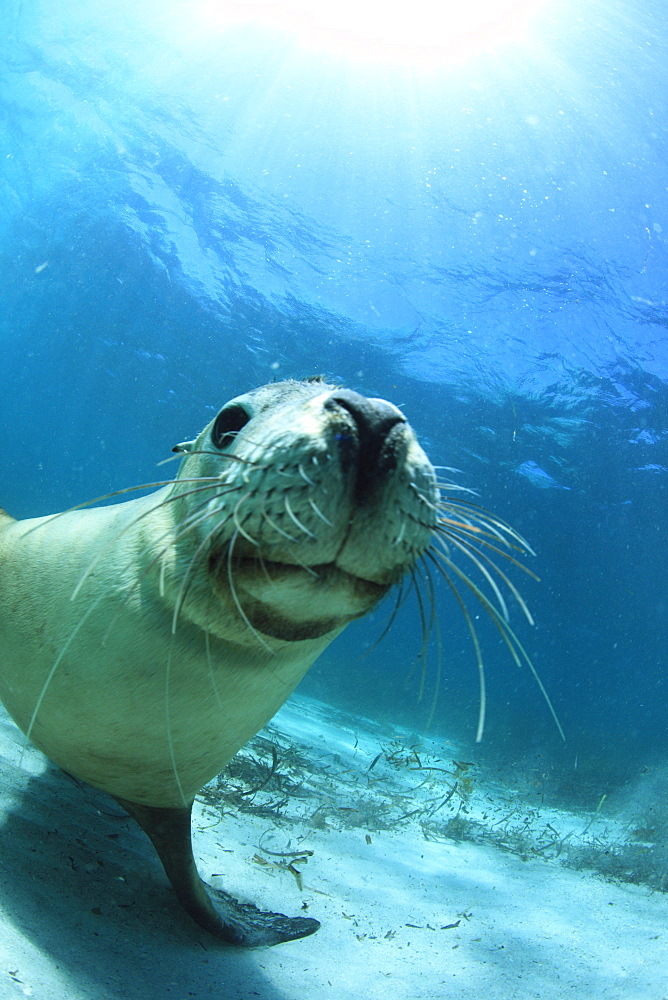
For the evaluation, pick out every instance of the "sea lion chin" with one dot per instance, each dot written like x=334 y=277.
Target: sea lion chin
x=143 y=643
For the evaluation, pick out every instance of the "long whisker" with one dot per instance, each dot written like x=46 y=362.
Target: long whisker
x=58 y=661
x=223 y=456
x=265 y=571
x=482 y=530
x=536 y=677
x=131 y=524
x=168 y=721
x=187 y=576
x=402 y=594
x=235 y=598
x=118 y=493
x=185 y=527
x=92 y=608
x=508 y=635
x=482 y=700
x=480 y=596
x=491 y=522
x=423 y=499
x=449 y=484
x=421 y=658
x=446 y=530
x=470 y=553
x=462 y=503
x=435 y=625
x=460 y=541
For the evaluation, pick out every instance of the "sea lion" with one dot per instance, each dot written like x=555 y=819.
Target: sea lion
x=143 y=643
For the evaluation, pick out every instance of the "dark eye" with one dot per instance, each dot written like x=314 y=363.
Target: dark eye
x=228 y=422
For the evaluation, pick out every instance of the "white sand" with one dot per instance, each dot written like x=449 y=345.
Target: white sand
x=88 y=913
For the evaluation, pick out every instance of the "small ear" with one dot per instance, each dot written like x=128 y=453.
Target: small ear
x=184 y=446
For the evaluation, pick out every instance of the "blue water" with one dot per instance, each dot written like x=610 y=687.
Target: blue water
x=187 y=213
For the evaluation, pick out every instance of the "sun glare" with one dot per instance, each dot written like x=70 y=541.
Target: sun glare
x=421 y=32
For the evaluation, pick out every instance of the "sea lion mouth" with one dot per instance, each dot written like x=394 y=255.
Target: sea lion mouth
x=275 y=570
x=289 y=601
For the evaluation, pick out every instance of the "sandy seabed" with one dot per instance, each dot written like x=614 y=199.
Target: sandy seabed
x=431 y=882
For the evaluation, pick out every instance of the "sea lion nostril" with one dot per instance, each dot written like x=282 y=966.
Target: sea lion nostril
x=374 y=418
x=372 y=452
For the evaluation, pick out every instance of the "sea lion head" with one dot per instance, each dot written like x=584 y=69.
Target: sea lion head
x=314 y=501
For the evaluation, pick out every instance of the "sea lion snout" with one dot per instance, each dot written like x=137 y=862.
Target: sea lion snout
x=332 y=502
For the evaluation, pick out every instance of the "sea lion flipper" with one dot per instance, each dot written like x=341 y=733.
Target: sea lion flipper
x=238 y=923
x=251 y=927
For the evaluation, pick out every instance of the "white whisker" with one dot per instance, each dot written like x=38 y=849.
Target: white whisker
x=235 y=598
x=320 y=514
x=168 y=721
x=398 y=539
x=184 y=528
x=238 y=526
x=117 y=493
x=296 y=520
x=187 y=576
x=131 y=524
x=469 y=552
x=276 y=528
x=304 y=476
x=58 y=661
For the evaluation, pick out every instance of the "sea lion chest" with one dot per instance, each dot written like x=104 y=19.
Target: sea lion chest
x=102 y=683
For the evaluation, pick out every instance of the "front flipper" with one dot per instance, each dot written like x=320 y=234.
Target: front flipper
x=239 y=923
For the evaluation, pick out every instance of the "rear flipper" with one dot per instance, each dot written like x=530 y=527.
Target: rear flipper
x=239 y=923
